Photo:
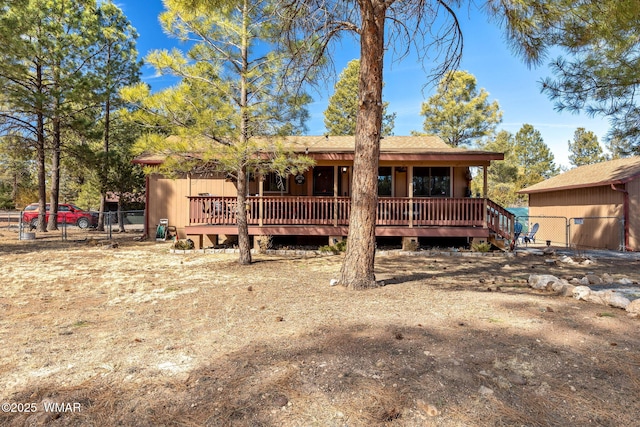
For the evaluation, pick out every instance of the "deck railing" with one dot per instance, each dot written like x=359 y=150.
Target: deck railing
x=392 y=211
x=500 y=220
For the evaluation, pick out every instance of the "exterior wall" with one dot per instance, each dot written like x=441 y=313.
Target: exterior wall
x=167 y=198
x=594 y=202
x=633 y=188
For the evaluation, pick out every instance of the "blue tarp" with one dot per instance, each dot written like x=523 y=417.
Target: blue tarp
x=521 y=217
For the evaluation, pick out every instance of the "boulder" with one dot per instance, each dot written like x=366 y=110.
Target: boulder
x=545 y=281
x=607 y=278
x=614 y=299
x=567 y=290
x=581 y=292
x=596 y=297
x=625 y=281
x=593 y=279
x=584 y=281
x=634 y=308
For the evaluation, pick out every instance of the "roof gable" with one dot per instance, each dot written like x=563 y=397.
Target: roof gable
x=616 y=171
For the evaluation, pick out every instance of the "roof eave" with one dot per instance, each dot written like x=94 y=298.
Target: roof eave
x=575 y=187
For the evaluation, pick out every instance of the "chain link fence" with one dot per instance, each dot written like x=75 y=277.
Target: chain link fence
x=131 y=222
x=604 y=232
x=576 y=233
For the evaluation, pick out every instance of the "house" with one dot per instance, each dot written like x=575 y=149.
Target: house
x=600 y=202
x=424 y=191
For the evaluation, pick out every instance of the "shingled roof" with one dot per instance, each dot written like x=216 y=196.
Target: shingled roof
x=388 y=144
x=617 y=171
x=393 y=146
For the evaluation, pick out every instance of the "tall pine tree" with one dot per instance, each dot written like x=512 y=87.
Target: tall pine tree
x=231 y=102
x=585 y=149
x=459 y=113
x=340 y=115
x=533 y=156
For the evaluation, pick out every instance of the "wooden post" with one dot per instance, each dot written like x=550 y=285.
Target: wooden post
x=410 y=190
x=484 y=181
x=336 y=176
x=484 y=195
x=261 y=201
x=188 y=195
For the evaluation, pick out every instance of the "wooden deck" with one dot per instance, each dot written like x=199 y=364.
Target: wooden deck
x=286 y=215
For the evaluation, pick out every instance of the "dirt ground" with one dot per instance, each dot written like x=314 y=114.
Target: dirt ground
x=135 y=335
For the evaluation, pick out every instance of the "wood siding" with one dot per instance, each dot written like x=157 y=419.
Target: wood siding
x=633 y=188
x=168 y=198
x=598 y=207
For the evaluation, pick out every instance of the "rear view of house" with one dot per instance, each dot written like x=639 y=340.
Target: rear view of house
x=424 y=189
x=601 y=203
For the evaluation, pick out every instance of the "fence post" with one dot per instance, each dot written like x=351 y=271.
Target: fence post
x=110 y=225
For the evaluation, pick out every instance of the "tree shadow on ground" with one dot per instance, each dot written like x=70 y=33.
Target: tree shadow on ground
x=363 y=375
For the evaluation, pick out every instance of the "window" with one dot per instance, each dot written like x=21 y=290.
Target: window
x=274 y=183
x=432 y=182
x=384 y=181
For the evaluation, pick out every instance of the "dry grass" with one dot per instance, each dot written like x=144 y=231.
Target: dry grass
x=139 y=336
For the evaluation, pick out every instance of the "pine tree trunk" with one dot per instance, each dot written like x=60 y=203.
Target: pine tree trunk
x=55 y=177
x=104 y=173
x=120 y=214
x=244 y=243
x=40 y=153
x=358 y=266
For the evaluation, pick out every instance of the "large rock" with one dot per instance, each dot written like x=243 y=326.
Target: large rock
x=548 y=282
x=584 y=281
x=614 y=299
x=567 y=290
x=593 y=279
x=634 y=308
x=544 y=281
x=607 y=297
x=581 y=292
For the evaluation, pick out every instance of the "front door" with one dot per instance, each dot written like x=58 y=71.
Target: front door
x=323 y=181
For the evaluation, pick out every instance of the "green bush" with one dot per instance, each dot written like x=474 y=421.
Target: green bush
x=480 y=246
x=340 y=246
x=186 y=244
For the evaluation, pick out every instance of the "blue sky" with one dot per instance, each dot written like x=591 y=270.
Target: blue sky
x=486 y=55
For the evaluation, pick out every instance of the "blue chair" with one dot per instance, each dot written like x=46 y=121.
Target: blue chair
x=531 y=236
x=517 y=230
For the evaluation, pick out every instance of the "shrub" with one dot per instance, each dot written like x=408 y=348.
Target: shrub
x=183 y=244
x=264 y=242
x=340 y=246
x=480 y=246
